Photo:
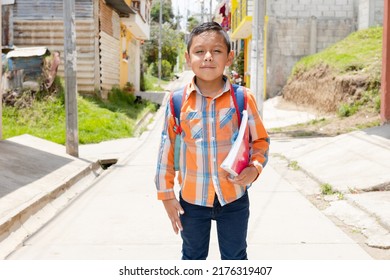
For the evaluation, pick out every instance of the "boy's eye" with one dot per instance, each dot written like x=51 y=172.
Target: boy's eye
x=217 y=51
x=199 y=52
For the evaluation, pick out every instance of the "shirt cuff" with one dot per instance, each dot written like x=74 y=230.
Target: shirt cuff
x=258 y=166
x=166 y=195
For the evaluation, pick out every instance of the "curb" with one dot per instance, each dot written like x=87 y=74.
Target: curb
x=28 y=218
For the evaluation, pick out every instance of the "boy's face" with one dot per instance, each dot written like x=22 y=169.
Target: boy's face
x=209 y=56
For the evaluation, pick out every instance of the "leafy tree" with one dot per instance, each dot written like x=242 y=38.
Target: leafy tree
x=167 y=12
x=191 y=23
x=172 y=39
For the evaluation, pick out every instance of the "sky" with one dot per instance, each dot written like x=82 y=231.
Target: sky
x=194 y=7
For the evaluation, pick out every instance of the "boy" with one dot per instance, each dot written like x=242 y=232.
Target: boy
x=209 y=122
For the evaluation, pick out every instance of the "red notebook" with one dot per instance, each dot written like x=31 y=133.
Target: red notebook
x=238 y=157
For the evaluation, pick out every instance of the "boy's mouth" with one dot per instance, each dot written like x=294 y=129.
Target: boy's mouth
x=207 y=67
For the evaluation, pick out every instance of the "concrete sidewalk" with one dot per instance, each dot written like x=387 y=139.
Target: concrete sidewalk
x=133 y=225
x=37 y=173
x=355 y=166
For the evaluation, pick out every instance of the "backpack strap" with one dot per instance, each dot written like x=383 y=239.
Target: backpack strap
x=239 y=96
x=176 y=101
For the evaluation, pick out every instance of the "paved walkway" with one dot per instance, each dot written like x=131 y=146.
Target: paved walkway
x=120 y=218
x=284 y=223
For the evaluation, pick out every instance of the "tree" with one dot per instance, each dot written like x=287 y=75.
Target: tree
x=167 y=12
x=172 y=39
x=191 y=23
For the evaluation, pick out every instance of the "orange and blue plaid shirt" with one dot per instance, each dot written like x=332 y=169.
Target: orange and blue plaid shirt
x=209 y=126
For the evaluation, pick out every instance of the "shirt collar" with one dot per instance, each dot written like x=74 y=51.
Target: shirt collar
x=193 y=88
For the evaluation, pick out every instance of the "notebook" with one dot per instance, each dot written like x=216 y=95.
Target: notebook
x=238 y=157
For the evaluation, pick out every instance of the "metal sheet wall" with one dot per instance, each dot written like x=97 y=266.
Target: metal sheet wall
x=109 y=61
x=51 y=34
x=109 y=47
x=50 y=9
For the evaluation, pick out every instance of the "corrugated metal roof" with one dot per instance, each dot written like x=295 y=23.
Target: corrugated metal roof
x=27 y=52
x=8 y=2
x=120 y=6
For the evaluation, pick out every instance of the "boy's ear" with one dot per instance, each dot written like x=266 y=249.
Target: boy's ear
x=188 y=58
x=230 y=58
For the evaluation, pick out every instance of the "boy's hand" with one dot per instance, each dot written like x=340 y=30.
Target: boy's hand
x=246 y=177
x=174 y=210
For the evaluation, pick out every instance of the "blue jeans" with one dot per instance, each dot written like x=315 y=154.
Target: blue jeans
x=232 y=227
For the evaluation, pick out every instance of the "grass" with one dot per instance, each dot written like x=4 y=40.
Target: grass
x=361 y=50
x=98 y=120
x=151 y=83
x=370 y=100
x=294 y=165
x=327 y=189
x=360 y=53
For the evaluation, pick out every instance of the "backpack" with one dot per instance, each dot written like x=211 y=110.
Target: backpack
x=176 y=99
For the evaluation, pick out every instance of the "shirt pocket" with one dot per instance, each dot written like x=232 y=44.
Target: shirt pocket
x=192 y=124
x=227 y=123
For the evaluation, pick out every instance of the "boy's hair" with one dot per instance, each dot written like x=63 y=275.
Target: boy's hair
x=205 y=27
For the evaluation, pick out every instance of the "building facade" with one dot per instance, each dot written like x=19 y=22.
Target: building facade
x=292 y=29
x=109 y=34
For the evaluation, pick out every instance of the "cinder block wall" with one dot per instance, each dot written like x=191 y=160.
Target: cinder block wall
x=370 y=13
x=298 y=28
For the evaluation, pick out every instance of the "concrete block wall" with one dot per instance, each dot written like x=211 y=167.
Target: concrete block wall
x=370 y=13
x=309 y=8
x=298 y=28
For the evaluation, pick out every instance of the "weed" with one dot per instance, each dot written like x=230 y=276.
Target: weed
x=347 y=110
x=327 y=189
x=340 y=196
x=294 y=165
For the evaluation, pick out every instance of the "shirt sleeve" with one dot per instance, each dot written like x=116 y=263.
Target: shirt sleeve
x=260 y=140
x=165 y=173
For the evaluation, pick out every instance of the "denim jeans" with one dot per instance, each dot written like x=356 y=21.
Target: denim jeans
x=232 y=227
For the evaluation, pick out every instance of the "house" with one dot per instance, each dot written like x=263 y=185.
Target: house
x=109 y=34
x=294 y=29
x=23 y=66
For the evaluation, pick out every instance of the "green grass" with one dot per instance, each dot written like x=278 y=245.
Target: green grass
x=360 y=51
x=151 y=83
x=327 y=189
x=294 y=165
x=97 y=120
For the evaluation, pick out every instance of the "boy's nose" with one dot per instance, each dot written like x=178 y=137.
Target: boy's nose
x=208 y=56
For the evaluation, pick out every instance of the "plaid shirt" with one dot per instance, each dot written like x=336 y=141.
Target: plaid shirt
x=209 y=127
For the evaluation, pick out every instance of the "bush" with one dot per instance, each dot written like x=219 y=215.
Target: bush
x=166 y=69
x=118 y=96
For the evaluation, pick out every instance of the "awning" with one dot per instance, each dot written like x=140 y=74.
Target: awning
x=121 y=7
x=28 y=52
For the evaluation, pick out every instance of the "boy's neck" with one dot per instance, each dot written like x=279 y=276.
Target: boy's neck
x=210 y=88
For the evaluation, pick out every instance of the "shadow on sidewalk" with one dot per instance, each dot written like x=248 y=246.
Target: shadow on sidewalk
x=21 y=165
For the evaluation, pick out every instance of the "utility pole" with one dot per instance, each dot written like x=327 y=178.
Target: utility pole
x=160 y=43
x=385 y=83
x=257 y=69
x=70 y=59
x=1 y=71
x=202 y=9
x=211 y=10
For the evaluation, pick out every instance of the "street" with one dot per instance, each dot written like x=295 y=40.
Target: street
x=119 y=217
